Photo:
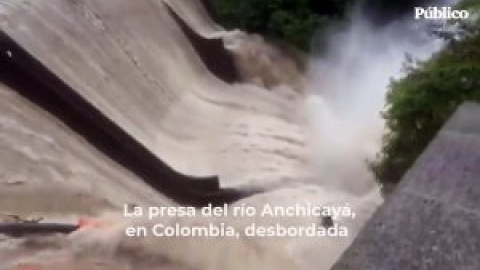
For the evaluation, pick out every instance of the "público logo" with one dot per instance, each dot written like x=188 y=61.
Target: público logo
x=442 y=13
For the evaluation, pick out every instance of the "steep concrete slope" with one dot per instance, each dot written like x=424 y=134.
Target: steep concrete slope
x=119 y=53
x=47 y=169
x=41 y=87
x=72 y=41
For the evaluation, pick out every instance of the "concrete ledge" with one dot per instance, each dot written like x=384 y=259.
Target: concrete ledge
x=432 y=220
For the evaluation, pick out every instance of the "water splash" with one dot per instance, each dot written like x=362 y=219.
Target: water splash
x=348 y=79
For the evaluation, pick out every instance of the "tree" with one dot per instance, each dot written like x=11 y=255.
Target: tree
x=420 y=103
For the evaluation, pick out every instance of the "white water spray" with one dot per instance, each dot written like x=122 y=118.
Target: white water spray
x=347 y=87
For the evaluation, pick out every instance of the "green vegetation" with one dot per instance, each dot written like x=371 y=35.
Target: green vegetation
x=294 y=21
x=421 y=102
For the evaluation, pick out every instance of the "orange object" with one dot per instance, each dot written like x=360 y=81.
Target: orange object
x=87 y=222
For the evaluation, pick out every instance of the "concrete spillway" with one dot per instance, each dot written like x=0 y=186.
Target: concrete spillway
x=166 y=109
x=149 y=102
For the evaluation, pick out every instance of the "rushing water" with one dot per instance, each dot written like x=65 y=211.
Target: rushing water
x=349 y=76
x=348 y=79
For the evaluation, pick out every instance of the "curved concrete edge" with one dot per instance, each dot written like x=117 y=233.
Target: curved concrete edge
x=35 y=82
x=211 y=51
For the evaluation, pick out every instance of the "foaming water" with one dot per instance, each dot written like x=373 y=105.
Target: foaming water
x=348 y=79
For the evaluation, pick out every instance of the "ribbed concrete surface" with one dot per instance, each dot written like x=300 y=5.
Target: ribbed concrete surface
x=432 y=220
